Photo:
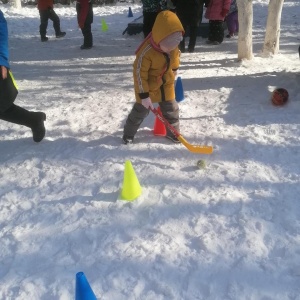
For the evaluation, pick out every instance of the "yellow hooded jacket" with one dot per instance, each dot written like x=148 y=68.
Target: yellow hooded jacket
x=152 y=68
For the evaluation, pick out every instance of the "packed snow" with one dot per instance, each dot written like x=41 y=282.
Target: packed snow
x=230 y=231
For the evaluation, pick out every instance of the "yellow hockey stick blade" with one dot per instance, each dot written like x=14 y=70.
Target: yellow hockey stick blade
x=195 y=148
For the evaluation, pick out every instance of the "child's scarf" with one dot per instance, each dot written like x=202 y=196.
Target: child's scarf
x=152 y=42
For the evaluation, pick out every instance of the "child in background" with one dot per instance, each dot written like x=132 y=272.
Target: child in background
x=8 y=92
x=216 y=12
x=85 y=16
x=157 y=60
x=232 y=20
x=47 y=12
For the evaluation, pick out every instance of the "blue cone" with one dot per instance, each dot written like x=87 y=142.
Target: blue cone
x=179 y=95
x=83 y=288
x=130 y=14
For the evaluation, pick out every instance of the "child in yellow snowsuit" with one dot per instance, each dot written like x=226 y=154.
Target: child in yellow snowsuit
x=157 y=60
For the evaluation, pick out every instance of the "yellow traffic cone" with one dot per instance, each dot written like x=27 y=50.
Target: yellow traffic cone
x=104 y=26
x=131 y=187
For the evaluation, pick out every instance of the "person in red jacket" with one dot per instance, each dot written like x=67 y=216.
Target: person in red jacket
x=216 y=12
x=47 y=12
x=85 y=16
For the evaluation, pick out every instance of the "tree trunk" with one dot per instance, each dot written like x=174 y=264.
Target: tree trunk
x=18 y=4
x=271 y=44
x=245 y=12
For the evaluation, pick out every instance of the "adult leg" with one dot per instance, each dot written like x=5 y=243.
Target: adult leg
x=87 y=30
x=55 y=19
x=193 y=38
x=182 y=43
x=34 y=120
x=134 y=120
x=87 y=36
x=148 y=22
x=56 y=23
x=44 y=16
x=211 y=34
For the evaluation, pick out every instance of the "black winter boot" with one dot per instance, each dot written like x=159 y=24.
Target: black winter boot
x=44 y=39
x=34 y=120
x=83 y=47
x=172 y=137
x=127 y=139
x=60 y=34
x=38 y=128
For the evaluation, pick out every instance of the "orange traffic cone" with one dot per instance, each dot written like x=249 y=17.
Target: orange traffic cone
x=159 y=127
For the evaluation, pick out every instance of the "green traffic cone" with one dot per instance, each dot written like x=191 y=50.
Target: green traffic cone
x=104 y=25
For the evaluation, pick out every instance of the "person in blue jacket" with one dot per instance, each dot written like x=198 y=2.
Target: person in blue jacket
x=8 y=92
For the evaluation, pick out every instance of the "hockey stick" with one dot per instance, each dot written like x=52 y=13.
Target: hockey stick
x=193 y=148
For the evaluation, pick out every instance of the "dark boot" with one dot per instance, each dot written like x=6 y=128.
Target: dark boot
x=127 y=139
x=60 y=34
x=83 y=47
x=38 y=128
x=34 y=120
x=172 y=137
x=44 y=38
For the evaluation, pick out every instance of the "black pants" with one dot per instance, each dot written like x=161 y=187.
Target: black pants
x=216 y=31
x=18 y=115
x=8 y=92
x=193 y=37
x=87 y=29
x=45 y=15
x=148 y=21
x=15 y=114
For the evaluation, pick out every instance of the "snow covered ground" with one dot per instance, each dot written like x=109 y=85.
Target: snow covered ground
x=227 y=232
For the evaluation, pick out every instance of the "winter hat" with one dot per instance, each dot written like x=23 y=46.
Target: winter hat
x=171 y=41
